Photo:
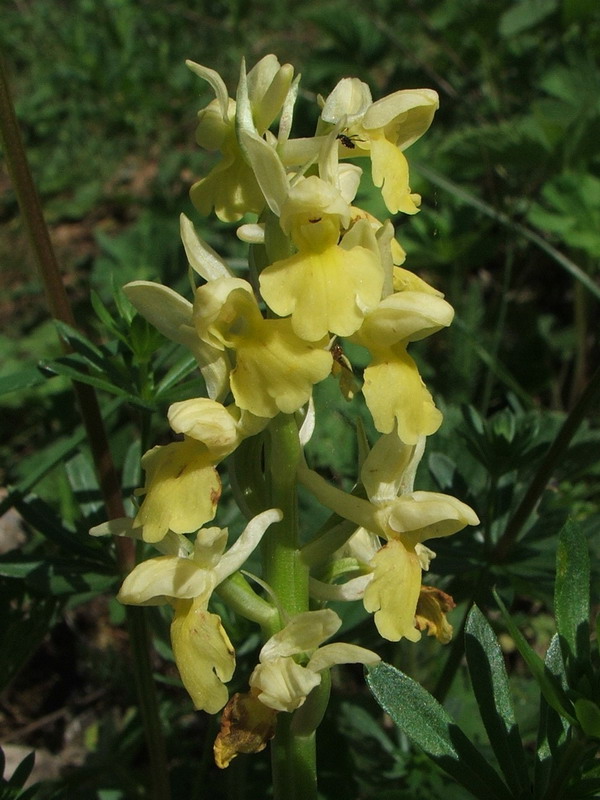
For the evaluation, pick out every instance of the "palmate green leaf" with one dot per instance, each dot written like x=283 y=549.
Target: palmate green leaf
x=184 y=367
x=427 y=725
x=572 y=599
x=54 y=454
x=72 y=367
x=80 y=343
x=550 y=686
x=475 y=202
x=492 y=691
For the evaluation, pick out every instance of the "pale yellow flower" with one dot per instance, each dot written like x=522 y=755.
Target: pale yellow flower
x=203 y=653
x=181 y=492
x=405 y=519
x=326 y=287
x=284 y=684
x=393 y=389
x=275 y=370
x=231 y=188
x=382 y=130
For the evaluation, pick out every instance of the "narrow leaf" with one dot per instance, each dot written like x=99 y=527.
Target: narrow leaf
x=70 y=368
x=53 y=454
x=548 y=683
x=572 y=599
x=427 y=725
x=23 y=770
x=492 y=691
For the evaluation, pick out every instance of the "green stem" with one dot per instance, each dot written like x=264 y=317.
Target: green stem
x=293 y=757
x=239 y=596
x=285 y=572
x=293 y=763
x=110 y=485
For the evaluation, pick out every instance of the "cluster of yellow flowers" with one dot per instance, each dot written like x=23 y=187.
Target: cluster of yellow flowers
x=320 y=269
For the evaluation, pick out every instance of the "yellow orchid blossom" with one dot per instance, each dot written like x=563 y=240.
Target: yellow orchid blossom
x=405 y=519
x=393 y=389
x=280 y=682
x=382 y=130
x=275 y=369
x=203 y=653
x=231 y=188
x=326 y=287
x=181 y=492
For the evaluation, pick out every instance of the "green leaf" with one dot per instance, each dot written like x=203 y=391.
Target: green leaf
x=572 y=599
x=588 y=715
x=178 y=372
x=72 y=368
x=42 y=517
x=59 y=577
x=524 y=15
x=23 y=379
x=553 y=728
x=548 y=683
x=80 y=344
x=83 y=482
x=52 y=455
x=427 y=725
x=491 y=688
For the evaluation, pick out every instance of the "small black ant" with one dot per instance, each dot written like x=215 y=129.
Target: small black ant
x=348 y=141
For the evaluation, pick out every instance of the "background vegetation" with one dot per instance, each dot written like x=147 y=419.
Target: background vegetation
x=509 y=230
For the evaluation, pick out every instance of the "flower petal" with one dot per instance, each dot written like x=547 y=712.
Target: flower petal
x=353 y=589
x=248 y=540
x=326 y=291
x=276 y=370
x=340 y=653
x=432 y=607
x=282 y=684
x=390 y=172
x=428 y=515
x=396 y=395
x=246 y=727
x=206 y=421
x=182 y=489
x=201 y=257
x=404 y=115
x=155 y=580
x=393 y=593
x=203 y=653
x=303 y=632
x=390 y=467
